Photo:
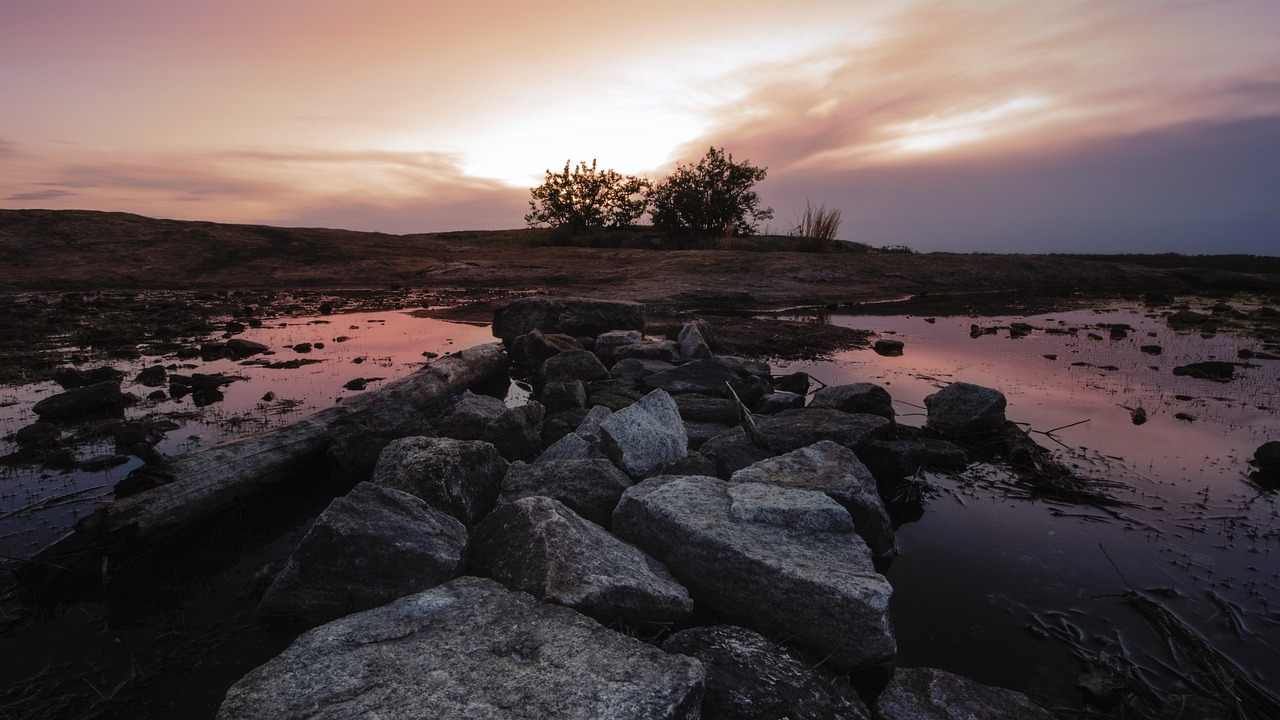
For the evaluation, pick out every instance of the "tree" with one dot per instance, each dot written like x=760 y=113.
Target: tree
x=713 y=197
x=587 y=198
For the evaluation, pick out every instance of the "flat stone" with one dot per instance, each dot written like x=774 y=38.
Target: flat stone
x=468 y=649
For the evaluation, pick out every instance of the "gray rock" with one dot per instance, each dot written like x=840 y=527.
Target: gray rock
x=98 y=397
x=581 y=365
x=571 y=316
x=367 y=548
x=793 y=429
x=660 y=350
x=778 y=401
x=692 y=464
x=700 y=432
x=750 y=678
x=358 y=439
x=459 y=477
x=517 y=432
x=709 y=377
x=700 y=408
x=731 y=451
x=539 y=546
x=693 y=346
x=589 y=428
x=747 y=366
x=928 y=694
x=570 y=447
x=634 y=368
x=961 y=409
x=559 y=396
x=467 y=649
x=589 y=487
x=769 y=558
x=645 y=435
x=468 y=415
x=535 y=347
x=864 y=397
x=836 y=471
x=609 y=345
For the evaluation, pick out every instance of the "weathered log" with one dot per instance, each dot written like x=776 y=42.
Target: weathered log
x=200 y=485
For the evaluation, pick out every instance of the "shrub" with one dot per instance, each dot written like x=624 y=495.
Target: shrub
x=714 y=197
x=587 y=198
x=818 y=227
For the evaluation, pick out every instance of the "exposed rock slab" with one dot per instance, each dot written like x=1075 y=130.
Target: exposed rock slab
x=928 y=694
x=837 y=472
x=571 y=316
x=367 y=548
x=467 y=649
x=539 y=546
x=962 y=409
x=750 y=678
x=645 y=435
x=781 y=561
x=793 y=429
x=460 y=477
x=589 y=487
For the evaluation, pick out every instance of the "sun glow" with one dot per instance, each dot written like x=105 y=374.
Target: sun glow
x=935 y=133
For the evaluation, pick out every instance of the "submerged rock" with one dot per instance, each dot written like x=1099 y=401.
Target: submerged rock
x=1216 y=370
x=468 y=649
x=104 y=396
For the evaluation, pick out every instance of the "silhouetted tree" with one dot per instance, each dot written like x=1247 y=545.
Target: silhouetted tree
x=587 y=198
x=714 y=197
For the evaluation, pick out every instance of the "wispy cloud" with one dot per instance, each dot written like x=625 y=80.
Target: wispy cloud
x=39 y=195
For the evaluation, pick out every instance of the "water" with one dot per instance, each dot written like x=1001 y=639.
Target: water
x=1012 y=592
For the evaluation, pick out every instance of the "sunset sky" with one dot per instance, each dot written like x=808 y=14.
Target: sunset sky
x=986 y=125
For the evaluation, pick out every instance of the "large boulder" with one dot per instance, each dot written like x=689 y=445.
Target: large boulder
x=367 y=548
x=793 y=429
x=460 y=477
x=962 y=410
x=99 y=397
x=467 y=416
x=541 y=547
x=855 y=398
x=467 y=649
x=836 y=471
x=928 y=694
x=590 y=487
x=358 y=439
x=517 y=431
x=534 y=348
x=571 y=316
x=781 y=561
x=750 y=678
x=645 y=435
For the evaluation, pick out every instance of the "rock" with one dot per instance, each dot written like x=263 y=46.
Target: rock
x=835 y=471
x=888 y=348
x=99 y=397
x=864 y=397
x=776 y=402
x=99 y=463
x=692 y=464
x=700 y=408
x=708 y=377
x=928 y=694
x=70 y=378
x=369 y=547
x=241 y=348
x=535 y=348
x=467 y=417
x=1152 y=349
x=645 y=435
x=894 y=459
x=558 y=396
x=731 y=451
x=460 y=477
x=589 y=487
x=38 y=436
x=539 y=546
x=661 y=350
x=1267 y=456
x=570 y=447
x=1187 y=317
x=359 y=384
x=699 y=433
x=153 y=376
x=693 y=346
x=356 y=441
x=301 y=348
x=750 y=678
x=797 y=383
x=782 y=561
x=1215 y=370
x=793 y=429
x=634 y=368
x=468 y=649
x=572 y=316
x=517 y=432
x=581 y=365
x=609 y=345
x=1100 y=687
x=963 y=410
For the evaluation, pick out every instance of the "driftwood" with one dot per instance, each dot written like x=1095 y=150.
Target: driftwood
x=200 y=485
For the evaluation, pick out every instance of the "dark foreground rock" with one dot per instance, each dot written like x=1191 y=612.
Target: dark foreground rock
x=589 y=487
x=962 y=410
x=778 y=560
x=460 y=477
x=750 y=678
x=927 y=694
x=467 y=649
x=539 y=546
x=99 y=397
x=367 y=548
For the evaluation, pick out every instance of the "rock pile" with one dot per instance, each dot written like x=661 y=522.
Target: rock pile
x=499 y=562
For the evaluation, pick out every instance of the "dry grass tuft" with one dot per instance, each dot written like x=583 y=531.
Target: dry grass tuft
x=818 y=227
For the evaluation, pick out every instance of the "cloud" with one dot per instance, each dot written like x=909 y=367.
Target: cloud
x=8 y=148
x=51 y=194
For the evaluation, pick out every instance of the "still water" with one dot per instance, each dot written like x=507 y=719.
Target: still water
x=1010 y=591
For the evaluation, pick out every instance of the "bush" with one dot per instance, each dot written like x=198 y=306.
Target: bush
x=587 y=198
x=818 y=227
x=713 y=197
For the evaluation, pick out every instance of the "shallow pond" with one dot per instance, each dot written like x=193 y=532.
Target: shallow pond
x=1011 y=591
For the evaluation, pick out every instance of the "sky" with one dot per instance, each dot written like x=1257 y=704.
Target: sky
x=982 y=126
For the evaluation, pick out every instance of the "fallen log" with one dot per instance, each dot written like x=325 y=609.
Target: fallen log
x=191 y=489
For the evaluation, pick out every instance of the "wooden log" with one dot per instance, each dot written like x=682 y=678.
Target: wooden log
x=200 y=485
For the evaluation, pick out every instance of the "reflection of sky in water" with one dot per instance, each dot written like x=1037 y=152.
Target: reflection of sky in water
x=36 y=506
x=977 y=566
